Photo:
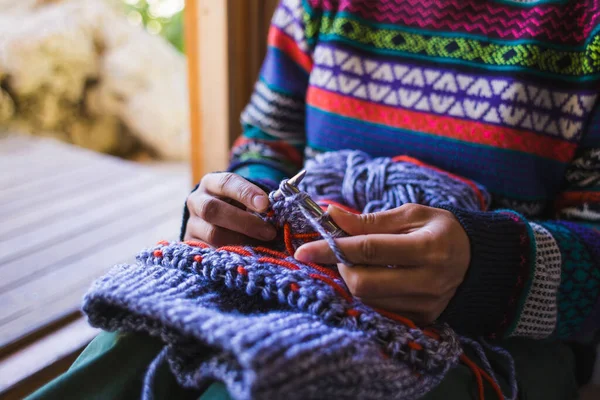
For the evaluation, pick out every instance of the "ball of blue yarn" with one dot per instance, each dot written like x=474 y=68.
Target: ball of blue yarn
x=367 y=184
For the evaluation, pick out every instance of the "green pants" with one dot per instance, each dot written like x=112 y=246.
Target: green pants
x=113 y=366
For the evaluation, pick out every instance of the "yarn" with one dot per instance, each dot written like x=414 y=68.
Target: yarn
x=269 y=326
x=367 y=184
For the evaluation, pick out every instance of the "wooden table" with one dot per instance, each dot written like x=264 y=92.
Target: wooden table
x=66 y=216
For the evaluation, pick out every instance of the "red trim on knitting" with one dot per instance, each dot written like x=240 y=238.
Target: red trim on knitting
x=285 y=264
x=353 y=312
x=453 y=128
x=396 y=317
x=270 y=252
x=195 y=243
x=304 y=236
x=198 y=258
x=280 y=40
x=470 y=183
x=294 y=287
x=163 y=242
x=335 y=286
x=158 y=253
x=236 y=249
x=331 y=273
x=287 y=239
x=242 y=271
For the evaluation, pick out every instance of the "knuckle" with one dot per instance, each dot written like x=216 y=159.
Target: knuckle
x=211 y=235
x=208 y=208
x=368 y=218
x=367 y=249
x=225 y=180
x=245 y=194
x=411 y=210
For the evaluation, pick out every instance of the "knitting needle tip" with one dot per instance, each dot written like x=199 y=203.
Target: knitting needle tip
x=296 y=179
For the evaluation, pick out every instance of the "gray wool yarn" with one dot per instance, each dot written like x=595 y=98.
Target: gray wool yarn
x=271 y=327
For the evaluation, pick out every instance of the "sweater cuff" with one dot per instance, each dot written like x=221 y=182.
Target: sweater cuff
x=267 y=185
x=486 y=302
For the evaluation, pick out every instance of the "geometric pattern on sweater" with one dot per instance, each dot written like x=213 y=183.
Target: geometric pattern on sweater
x=570 y=23
x=538 y=315
x=289 y=17
x=280 y=115
x=530 y=57
x=493 y=100
x=580 y=276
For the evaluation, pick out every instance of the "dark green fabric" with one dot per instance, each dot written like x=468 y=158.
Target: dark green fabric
x=113 y=367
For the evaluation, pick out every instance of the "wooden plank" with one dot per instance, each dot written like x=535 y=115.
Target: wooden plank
x=32 y=359
x=32 y=192
x=82 y=201
x=36 y=172
x=40 y=304
x=18 y=296
x=74 y=224
x=46 y=258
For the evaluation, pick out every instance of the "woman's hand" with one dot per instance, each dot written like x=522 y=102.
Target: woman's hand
x=219 y=211
x=428 y=245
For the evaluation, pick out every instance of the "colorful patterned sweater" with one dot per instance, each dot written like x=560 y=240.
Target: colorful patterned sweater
x=502 y=92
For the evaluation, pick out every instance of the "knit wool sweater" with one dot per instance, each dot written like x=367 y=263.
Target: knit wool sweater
x=503 y=92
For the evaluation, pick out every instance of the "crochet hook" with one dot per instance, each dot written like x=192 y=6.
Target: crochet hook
x=290 y=187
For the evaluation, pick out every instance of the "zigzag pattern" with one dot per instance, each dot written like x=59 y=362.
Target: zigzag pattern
x=566 y=24
x=530 y=57
x=497 y=101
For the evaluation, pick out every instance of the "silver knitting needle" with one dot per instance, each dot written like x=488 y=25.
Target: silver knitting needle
x=291 y=186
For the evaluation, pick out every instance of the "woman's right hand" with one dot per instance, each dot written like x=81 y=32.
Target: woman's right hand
x=220 y=211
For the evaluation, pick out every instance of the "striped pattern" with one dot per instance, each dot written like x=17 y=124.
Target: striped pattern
x=501 y=92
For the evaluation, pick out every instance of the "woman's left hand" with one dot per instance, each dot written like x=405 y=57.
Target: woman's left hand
x=428 y=245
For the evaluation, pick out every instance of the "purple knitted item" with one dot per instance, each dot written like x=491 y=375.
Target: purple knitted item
x=267 y=325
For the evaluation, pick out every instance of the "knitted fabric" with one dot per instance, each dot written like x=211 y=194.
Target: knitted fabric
x=270 y=326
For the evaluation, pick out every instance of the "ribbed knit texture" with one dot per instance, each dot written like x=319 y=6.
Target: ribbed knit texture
x=500 y=92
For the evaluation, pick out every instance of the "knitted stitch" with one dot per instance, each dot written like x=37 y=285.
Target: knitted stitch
x=270 y=326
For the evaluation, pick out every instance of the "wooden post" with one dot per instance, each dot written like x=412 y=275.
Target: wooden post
x=225 y=45
x=193 y=71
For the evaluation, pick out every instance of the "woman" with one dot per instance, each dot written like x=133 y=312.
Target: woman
x=498 y=91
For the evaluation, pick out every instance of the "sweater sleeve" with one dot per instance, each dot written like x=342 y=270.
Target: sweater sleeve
x=272 y=143
x=541 y=278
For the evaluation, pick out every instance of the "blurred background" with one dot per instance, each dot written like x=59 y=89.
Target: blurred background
x=109 y=111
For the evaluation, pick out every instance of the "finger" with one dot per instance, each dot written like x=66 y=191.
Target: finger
x=235 y=187
x=219 y=213
x=402 y=219
x=368 y=282
x=378 y=249
x=199 y=229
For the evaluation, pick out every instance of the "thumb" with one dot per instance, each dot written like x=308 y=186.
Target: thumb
x=362 y=224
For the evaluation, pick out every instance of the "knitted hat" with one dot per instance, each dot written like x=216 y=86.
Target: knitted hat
x=267 y=325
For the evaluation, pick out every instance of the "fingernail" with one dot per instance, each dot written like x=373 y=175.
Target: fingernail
x=302 y=255
x=260 y=202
